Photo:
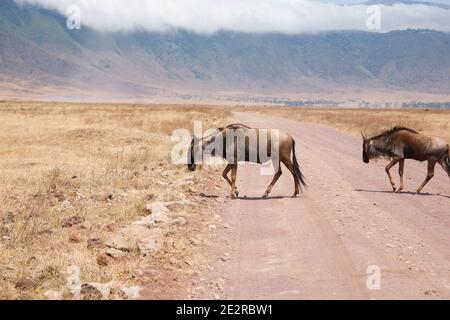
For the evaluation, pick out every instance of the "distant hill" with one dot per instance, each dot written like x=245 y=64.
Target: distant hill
x=38 y=50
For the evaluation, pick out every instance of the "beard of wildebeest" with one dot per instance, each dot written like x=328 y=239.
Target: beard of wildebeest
x=191 y=157
x=365 y=147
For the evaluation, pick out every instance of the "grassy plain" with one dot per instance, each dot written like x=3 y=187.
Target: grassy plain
x=430 y=122
x=100 y=163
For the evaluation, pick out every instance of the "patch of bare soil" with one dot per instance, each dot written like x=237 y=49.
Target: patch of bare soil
x=179 y=268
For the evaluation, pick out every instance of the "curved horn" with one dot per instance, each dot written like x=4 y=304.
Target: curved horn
x=364 y=135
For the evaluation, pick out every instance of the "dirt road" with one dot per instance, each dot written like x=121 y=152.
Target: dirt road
x=321 y=244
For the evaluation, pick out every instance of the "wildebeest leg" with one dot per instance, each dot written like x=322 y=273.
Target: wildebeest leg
x=388 y=168
x=430 y=175
x=445 y=167
x=288 y=164
x=234 y=194
x=274 y=180
x=401 y=167
x=225 y=174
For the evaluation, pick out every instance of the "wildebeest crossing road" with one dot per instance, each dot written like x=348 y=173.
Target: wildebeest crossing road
x=321 y=244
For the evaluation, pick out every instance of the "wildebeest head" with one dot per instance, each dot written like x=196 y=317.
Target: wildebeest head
x=200 y=147
x=366 y=147
x=371 y=148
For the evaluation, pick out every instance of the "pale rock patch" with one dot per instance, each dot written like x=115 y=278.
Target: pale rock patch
x=53 y=295
x=132 y=293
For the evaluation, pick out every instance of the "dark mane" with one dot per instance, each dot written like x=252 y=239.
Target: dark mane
x=237 y=125
x=393 y=130
x=231 y=126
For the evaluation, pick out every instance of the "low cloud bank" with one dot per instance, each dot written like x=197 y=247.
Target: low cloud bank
x=284 y=16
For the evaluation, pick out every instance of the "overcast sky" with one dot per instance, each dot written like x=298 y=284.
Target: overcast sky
x=209 y=16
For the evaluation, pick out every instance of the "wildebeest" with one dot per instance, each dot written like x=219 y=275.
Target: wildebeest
x=400 y=143
x=238 y=142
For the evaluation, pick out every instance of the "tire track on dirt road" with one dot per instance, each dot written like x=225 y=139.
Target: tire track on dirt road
x=321 y=244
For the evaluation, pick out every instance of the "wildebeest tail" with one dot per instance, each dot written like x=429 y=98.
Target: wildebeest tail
x=298 y=172
x=447 y=161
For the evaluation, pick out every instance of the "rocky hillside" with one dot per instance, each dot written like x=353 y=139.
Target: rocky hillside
x=38 y=50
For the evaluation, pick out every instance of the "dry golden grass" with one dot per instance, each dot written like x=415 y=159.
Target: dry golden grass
x=431 y=122
x=64 y=160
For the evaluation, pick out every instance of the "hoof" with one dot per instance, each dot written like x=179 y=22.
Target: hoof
x=398 y=190
x=265 y=195
x=295 y=195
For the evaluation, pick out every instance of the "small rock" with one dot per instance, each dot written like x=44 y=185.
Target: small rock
x=10 y=266
x=220 y=200
x=103 y=288
x=66 y=205
x=86 y=225
x=226 y=226
x=6 y=238
x=31 y=260
x=430 y=292
x=156 y=219
x=181 y=221
x=94 y=243
x=156 y=207
x=132 y=293
x=24 y=284
x=74 y=239
x=150 y=197
x=59 y=195
x=79 y=196
x=115 y=253
x=108 y=196
x=148 y=241
x=102 y=260
x=212 y=226
x=184 y=181
x=89 y=292
x=175 y=207
x=53 y=295
x=45 y=232
x=52 y=188
x=111 y=227
x=195 y=242
x=71 y=221
x=166 y=173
